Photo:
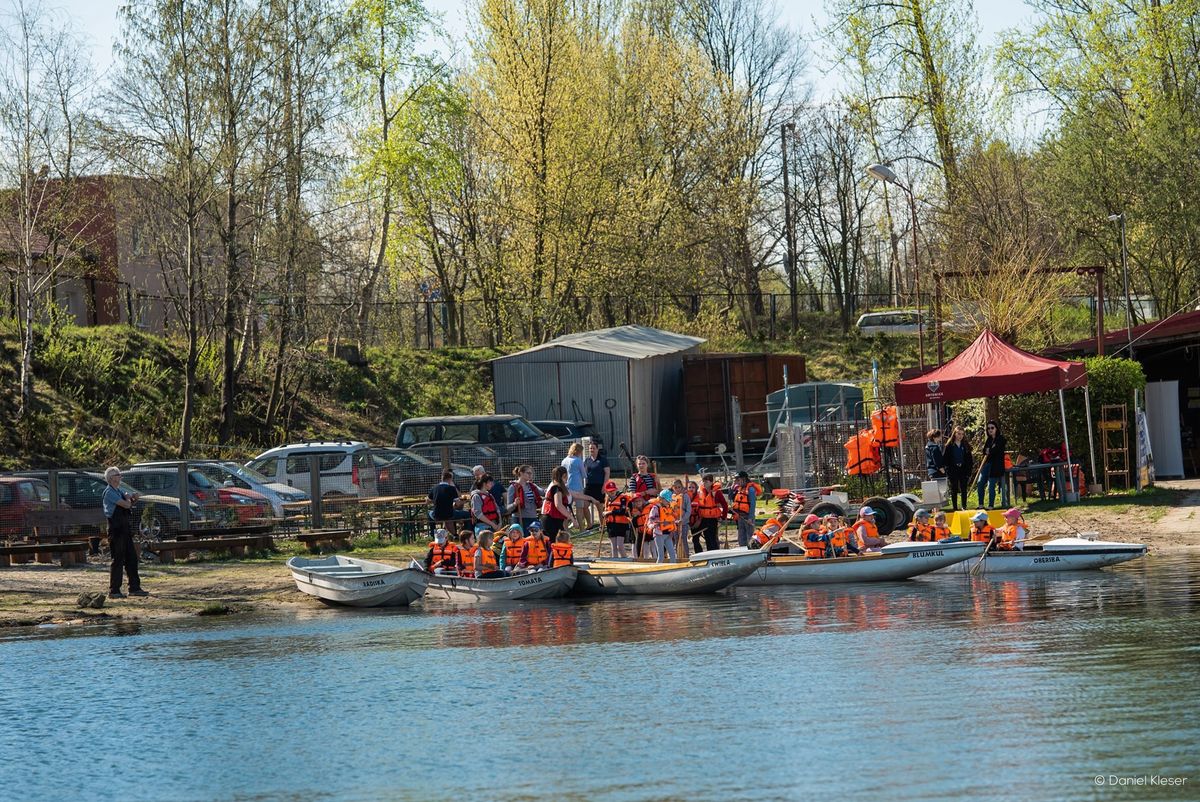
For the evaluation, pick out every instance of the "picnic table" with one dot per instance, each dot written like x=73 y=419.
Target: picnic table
x=1040 y=473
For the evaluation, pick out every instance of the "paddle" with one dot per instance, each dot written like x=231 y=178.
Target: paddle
x=977 y=568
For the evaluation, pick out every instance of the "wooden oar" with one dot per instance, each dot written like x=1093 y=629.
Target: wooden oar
x=978 y=566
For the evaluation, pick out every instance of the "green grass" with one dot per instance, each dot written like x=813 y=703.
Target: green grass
x=1153 y=502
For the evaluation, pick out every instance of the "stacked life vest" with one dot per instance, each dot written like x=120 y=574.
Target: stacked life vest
x=885 y=426
x=561 y=554
x=862 y=454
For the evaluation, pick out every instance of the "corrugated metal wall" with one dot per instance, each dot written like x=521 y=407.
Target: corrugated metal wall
x=632 y=401
x=569 y=384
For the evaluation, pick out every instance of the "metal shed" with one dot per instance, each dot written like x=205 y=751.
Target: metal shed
x=626 y=380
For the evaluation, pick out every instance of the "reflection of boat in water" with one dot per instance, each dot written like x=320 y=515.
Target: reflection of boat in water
x=551 y=583
x=1062 y=554
x=896 y=561
x=357 y=583
x=706 y=572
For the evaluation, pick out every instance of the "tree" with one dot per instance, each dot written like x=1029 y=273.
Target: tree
x=43 y=94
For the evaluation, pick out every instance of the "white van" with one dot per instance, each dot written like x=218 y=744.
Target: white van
x=897 y=321
x=346 y=466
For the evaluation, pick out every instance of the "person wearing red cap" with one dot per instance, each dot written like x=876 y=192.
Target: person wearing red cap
x=617 y=517
x=816 y=542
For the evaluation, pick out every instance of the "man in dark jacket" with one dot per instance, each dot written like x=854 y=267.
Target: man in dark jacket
x=935 y=462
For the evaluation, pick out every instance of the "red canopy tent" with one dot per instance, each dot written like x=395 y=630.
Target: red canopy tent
x=991 y=367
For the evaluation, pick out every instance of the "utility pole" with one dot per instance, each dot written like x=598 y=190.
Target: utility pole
x=789 y=227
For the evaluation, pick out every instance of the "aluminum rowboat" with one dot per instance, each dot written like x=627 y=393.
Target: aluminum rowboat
x=549 y=583
x=895 y=562
x=706 y=572
x=357 y=583
x=1062 y=554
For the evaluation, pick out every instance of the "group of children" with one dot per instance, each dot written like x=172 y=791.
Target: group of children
x=485 y=556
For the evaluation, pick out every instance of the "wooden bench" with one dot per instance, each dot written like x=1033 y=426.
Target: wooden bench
x=70 y=553
x=315 y=539
x=167 y=550
x=196 y=533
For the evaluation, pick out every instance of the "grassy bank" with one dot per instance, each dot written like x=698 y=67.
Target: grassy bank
x=115 y=394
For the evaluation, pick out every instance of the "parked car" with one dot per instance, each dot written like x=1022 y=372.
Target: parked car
x=462 y=451
x=898 y=321
x=82 y=490
x=484 y=429
x=238 y=477
x=346 y=467
x=20 y=495
x=570 y=430
x=163 y=479
x=399 y=471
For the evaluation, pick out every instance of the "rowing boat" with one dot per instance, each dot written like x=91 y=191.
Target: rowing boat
x=549 y=583
x=357 y=583
x=895 y=562
x=1062 y=554
x=706 y=572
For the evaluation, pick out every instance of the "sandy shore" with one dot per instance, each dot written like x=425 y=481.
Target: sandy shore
x=32 y=595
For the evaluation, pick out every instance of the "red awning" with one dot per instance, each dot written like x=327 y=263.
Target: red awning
x=990 y=367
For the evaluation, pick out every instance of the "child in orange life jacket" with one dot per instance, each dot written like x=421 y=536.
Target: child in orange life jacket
x=561 y=551
x=832 y=527
x=662 y=522
x=466 y=549
x=940 y=529
x=1012 y=535
x=920 y=529
x=441 y=556
x=509 y=548
x=865 y=534
x=536 y=551
x=816 y=542
x=616 y=517
x=484 y=564
x=980 y=528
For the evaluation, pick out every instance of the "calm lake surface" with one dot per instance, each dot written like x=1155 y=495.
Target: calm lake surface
x=937 y=688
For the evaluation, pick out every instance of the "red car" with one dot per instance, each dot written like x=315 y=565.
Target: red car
x=246 y=504
x=19 y=496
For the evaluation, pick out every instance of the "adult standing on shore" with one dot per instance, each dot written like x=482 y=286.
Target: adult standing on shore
x=496 y=490
x=117 y=505
x=992 y=471
x=935 y=460
x=713 y=509
x=596 y=473
x=557 y=508
x=573 y=463
x=960 y=466
x=744 y=506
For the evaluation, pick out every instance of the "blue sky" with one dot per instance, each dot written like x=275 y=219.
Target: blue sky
x=97 y=20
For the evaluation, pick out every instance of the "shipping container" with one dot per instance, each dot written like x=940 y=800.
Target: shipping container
x=710 y=380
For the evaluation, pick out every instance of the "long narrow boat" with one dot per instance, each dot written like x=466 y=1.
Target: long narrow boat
x=1062 y=554
x=550 y=583
x=707 y=572
x=357 y=583
x=896 y=561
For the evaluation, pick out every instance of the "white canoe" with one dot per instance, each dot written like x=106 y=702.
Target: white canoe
x=895 y=562
x=357 y=583
x=1062 y=554
x=706 y=572
x=549 y=583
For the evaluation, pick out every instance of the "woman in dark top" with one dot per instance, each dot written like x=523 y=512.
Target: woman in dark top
x=935 y=465
x=959 y=465
x=992 y=473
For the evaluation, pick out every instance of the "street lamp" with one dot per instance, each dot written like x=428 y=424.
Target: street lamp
x=882 y=172
x=1120 y=218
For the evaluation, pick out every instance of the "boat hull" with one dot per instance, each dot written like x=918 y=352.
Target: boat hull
x=552 y=583
x=1064 y=554
x=897 y=561
x=712 y=572
x=357 y=583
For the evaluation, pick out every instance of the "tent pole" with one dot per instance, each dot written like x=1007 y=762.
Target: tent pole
x=1062 y=408
x=1087 y=405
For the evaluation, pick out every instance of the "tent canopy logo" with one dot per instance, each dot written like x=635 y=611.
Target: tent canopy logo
x=933 y=386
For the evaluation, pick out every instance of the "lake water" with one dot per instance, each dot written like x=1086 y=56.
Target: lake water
x=936 y=688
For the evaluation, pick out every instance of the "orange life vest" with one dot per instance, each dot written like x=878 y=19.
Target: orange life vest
x=536 y=550
x=741 y=497
x=920 y=531
x=885 y=425
x=443 y=555
x=466 y=565
x=837 y=539
x=668 y=516
x=616 y=509
x=562 y=554
x=872 y=529
x=512 y=552
x=1007 y=534
x=487 y=557
x=862 y=454
x=985 y=534
x=707 y=504
x=642 y=517
x=816 y=544
x=940 y=532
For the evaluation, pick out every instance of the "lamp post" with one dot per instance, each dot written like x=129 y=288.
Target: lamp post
x=883 y=172
x=1120 y=218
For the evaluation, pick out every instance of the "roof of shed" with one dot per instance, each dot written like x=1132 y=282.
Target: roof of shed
x=629 y=342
